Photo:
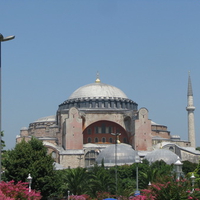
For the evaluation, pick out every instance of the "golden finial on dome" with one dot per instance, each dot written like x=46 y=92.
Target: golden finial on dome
x=97 y=80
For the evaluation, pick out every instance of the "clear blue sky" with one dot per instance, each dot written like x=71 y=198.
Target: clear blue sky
x=145 y=48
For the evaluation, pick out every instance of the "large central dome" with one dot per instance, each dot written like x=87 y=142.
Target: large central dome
x=98 y=90
x=98 y=96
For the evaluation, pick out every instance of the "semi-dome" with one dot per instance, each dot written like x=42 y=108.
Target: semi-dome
x=125 y=155
x=98 y=90
x=162 y=154
x=46 y=119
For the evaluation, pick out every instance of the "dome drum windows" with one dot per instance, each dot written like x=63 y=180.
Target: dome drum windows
x=99 y=103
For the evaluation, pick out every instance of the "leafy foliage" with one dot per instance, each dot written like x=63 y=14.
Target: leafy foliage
x=96 y=182
x=101 y=180
x=169 y=190
x=77 y=180
x=188 y=166
x=30 y=157
x=157 y=170
x=198 y=148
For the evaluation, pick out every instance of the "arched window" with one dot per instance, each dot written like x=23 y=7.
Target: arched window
x=53 y=154
x=90 y=157
x=96 y=140
x=110 y=140
x=171 y=148
x=103 y=128
x=103 y=139
x=89 y=131
x=89 y=140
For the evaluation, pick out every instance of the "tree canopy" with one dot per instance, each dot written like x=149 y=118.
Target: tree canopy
x=30 y=157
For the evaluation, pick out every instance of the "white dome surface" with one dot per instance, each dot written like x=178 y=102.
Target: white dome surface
x=98 y=90
x=125 y=155
x=162 y=154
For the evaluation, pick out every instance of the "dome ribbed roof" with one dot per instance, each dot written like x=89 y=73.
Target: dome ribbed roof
x=98 y=90
x=125 y=155
x=162 y=154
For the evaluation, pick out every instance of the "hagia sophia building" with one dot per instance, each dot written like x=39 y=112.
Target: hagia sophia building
x=88 y=125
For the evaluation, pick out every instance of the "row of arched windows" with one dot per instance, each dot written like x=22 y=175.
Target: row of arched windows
x=96 y=140
x=101 y=129
x=103 y=139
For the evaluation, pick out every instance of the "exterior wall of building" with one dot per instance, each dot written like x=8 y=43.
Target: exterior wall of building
x=41 y=129
x=61 y=121
x=180 y=143
x=20 y=138
x=74 y=135
x=143 y=139
x=24 y=132
x=72 y=160
x=53 y=152
x=160 y=130
x=189 y=156
x=93 y=117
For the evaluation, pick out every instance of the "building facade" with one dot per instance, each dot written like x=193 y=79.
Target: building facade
x=84 y=123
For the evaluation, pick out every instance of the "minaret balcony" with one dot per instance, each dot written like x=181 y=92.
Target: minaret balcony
x=190 y=108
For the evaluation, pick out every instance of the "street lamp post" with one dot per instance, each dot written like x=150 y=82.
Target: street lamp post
x=193 y=179
x=116 y=142
x=178 y=168
x=2 y=39
x=68 y=192
x=137 y=160
x=29 y=181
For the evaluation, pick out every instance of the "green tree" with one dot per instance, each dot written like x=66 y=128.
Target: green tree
x=153 y=172
x=148 y=176
x=77 y=180
x=188 y=166
x=30 y=157
x=101 y=180
x=198 y=148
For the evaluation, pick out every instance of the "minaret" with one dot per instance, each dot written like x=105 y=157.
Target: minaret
x=190 y=108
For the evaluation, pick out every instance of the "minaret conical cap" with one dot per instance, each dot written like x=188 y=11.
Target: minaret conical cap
x=189 y=93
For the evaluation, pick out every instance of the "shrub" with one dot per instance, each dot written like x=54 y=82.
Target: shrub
x=11 y=191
